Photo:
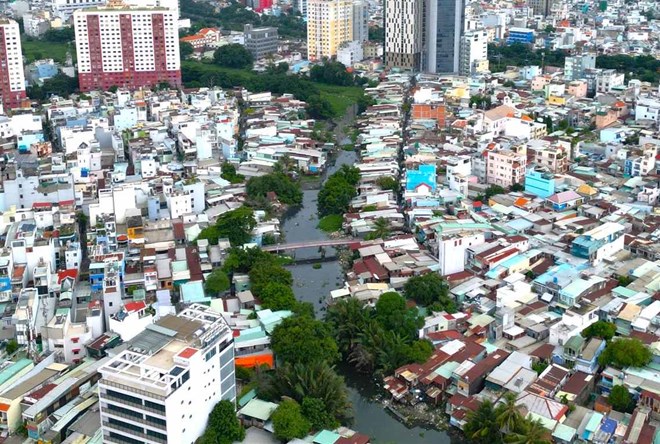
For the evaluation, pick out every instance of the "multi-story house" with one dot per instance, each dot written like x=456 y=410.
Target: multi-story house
x=162 y=388
x=506 y=167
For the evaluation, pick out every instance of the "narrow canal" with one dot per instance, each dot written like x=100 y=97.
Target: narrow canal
x=314 y=285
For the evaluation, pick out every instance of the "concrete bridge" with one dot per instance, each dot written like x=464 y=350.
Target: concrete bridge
x=309 y=244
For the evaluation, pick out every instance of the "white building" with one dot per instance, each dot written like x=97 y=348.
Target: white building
x=69 y=330
x=164 y=385
x=131 y=320
x=404 y=23
x=451 y=250
x=474 y=53
x=12 y=87
x=350 y=52
x=459 y=170
x=647 y=109
x=599 y=243
x=360 y=20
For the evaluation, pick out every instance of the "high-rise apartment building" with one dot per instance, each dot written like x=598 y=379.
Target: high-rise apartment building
x=473 y=53
x=260 y=41
x=360 y=21
x=329 y=24
x=127 y=47
x=575 y=66
x=12 y=86
x=163 y=386
x=445 y=21
x=541 y=7
x=404 y=33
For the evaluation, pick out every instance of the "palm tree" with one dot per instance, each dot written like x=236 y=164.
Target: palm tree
x=508 y=415
x=313 y=380
x=381 y=229
x=481 y=426
x=348 y=319
x=532 y=432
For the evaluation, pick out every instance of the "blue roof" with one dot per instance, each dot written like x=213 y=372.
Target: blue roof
x=608 y=426
x=193 y=291
x=326 y=437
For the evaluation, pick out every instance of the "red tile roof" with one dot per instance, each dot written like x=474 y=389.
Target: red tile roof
x=135 y=306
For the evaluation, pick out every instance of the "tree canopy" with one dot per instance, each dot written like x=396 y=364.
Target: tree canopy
x=217 y=282
x=600 y=329
x=229 y=173
x=304 y=339
x=625 y=352
x=338 y=191
x=430 y=290
x=288 y=191
x=235 y=225
x=233 y=55
x=321 y=392
x=264 y=273
x=620 y=399
x=185 y=49
x=278 y=296
x=289 y=422
x=333 y=73
x=223 y=426
x=378 y=339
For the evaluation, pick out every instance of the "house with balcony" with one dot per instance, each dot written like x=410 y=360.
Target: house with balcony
x=599 y=243
x=587 y=361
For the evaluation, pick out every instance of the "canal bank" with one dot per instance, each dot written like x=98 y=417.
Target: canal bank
x=300 y=224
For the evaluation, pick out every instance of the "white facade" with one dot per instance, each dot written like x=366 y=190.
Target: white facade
x=451 y=251
x=350 y=53
x=131 y=320
x=474 y=49
x=13 y=57
x=24 y=191
x=459 y=169
x=142 y=39
x=165 y=384
x=360 y=20
x=647 y=109
x=404 y=22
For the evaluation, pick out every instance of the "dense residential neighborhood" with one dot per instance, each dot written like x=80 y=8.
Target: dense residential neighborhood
x=330 y=222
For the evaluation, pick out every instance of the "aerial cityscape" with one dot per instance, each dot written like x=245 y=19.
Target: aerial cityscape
x=330 y=221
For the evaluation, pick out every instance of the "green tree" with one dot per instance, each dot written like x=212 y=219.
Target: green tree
x=620 y=399
x=233 y=56
x=278 y=296
x=600 y=329
x=185 y=49
x=508 y=415
x=303 y=339
x=229 y=173
x=494 y=190
x=316 y=380
x=481 y=426
x=332 y=73
x=235 y=225
x=531 y=432
x=317 y=414
x=430 y=288
x=625 y=352
x=288 y=191
x=288 y=421
x=12 y=346
x=337 y=192
x=381 y=229
x=264 y=273
x=539 y=366
x=394 y=316
x=387 y=183
x=242 y=260
x=347 y=319
x=517 y=187
x=223 y=426
x=217 y=282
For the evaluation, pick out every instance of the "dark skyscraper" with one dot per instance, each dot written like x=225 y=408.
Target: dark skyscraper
x=444 y=26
